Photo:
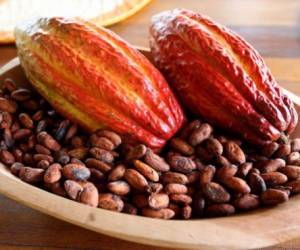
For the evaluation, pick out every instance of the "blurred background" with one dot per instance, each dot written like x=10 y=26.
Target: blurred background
x=271 y=26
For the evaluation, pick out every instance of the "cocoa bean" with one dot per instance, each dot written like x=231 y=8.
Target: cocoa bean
x=112 y=136
x=31 y=175
x=53 y=173
x=7 y=157
x=7 y=105
x=274 y=178
x=226 y=172
x=215 y=193
x=283 y=151
x=56 y=188
x=193 y=177
x=110 y=202
x=164 y=213
x=42 y=150
x=48 y=141
x=294 y=186
x=79 y=153
x=102 y=155
x=62 y=130
x=136 y=180
x=77 y=142
x=292 y=172
x=97 y=175
x=38 y=115
x=206 y=175
x=173 y=177
x=62 y=157
x=186 y=212
x=117 y=173
x=21 y=94
x=136 y=152
x=44 y=164
x=175 y=188
x=89 y=195
x=101 y=142
x=156 y=162
x=181 y=146
x=269 y=149
x=7 y=120
x=119 y=187
x=26 y=121
x=214 y=147
x=234 y=153
x=22 y=134
x=8 y=138
x=41 y=126
x=97 y=164
x=71 y=132
x=244 y=170
x=146 y=170
x=40 y=157
x=273 y=197
x=247 y=202
x=18 y=154
x=182 y=164
x=181 y=198
x=237 y=185
x=158 y=201
x=200 y=134
x=272 y=165
x=217 y=210
x=15 y=168
x=155 y=187
x=187 y=130
x=295 y=145
x=222 y=161
x=76 y=172
x=293 y=157
x=73 y=189
x=9 y=85
x=140 y=200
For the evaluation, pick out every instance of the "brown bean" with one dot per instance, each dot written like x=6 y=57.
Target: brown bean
x=292 y=158
x=222 y=161
x=97 y=175
x=9 y=85
x=295 y=145
x=272 y=165
x=53 y=173
x=73 y=189
x=156 y=162
x=37 y=116
x=102 y=154
x=173 y=177
x=155 y=187
x=292 y=172
x=117 y=173
x=294 y=185
x=26 y=121
x=215 y=193
x=193 y=177
x=146 y=170
x=186 y=212
x=226 y=172
x=48 y=141
x=40 y=157
x=15 y=168
x=62 y=157
x=283 y=151
x=42 y=150
x=206 y=175
x=181 y=198
x=158 y=201
x=136 y=180
x=256 y=183
x=140 y=200
x=182 y=164
x=237 y=185
x=244 y=170
x=200 y=134
x=204 y=155
x=31 y=175
x=7 y=157
x=269 y=149
x=8 y=138
x=181 y=146
x=76 y=172
x=273 y=197
x=18 y=154
x=77 y=142
x=187 y=130
x=119 y=187
x=21 y=94
x=164 y=213
x=7 y=120
x=136 y=152
x=112 y=136
x=7 y=105
x=44 y=164
x=176 y=188
x=274 y=178
x=79 y=153
x=214 y=147
x=234 y=153
x=101 y=142
x=89 y=195
x=217 y=210
x=22 y=134
x=97 y=164
x=247 y=202
x=110 y=202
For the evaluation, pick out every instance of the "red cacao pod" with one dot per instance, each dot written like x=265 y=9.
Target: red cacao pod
x=93 y=77
x=219 y=76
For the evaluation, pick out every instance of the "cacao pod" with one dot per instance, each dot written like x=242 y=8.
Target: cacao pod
x=219 y=76
x=94 y=78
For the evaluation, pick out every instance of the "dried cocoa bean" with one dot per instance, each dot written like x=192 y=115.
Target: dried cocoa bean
x=97 y=175
x=89 y=195
x=136 y=152
x=222 y=161
x=40 y=157
x=73 y=189
x=283 y=151
x=181 y=146
x=146 y=170
x=119 y=187
x=176 y=188
x=256 y=183
x=101 y=142
x=26 y=121
x=97 y=164
x=294 y=186
x=155 y=187
x=274 y=178
x=217 y=210
x=117 y=173
x=181 y=198
x=200 y=134
x=237 y=185
x=271 y=165
x=186 y=212
x=164 y=213
x=31 y=175
x=269 y=149
x=76 y=172
x=110 y=202
x=206 y=175
x=53 y=173
x=182 y=164
x=79 y=153
x=22 y=134
x=44 y=164
x=273 y=197
x=112 y=136
x=226 y=172
x=214 y=147
x=292 y=172
x=187 y=130
x=293 y=157
x=21 y=94
x=234 y=153
x=215 y=193
x=156 y=162
x=247 y=202
x=136 y=180
x=7 y=105
x=295 y=145
x=102 y=155
x=244 y=170
x=173 y=177
x=158 y=201
x=8 y=138
x=38 y=115
x=15 y=168
x=48 y=141
x=6 y=157
x=56 y=188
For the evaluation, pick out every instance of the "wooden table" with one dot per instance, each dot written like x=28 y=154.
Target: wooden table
x=272 y=26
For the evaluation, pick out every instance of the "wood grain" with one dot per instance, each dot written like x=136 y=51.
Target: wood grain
x=272 y=26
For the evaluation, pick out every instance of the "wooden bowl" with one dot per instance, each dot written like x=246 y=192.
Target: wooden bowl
x=261 y=228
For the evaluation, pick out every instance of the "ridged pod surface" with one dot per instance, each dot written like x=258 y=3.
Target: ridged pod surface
x=93 y=77
x=219 y=76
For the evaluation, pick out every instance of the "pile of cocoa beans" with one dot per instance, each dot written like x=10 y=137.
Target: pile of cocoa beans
x=200 y=173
